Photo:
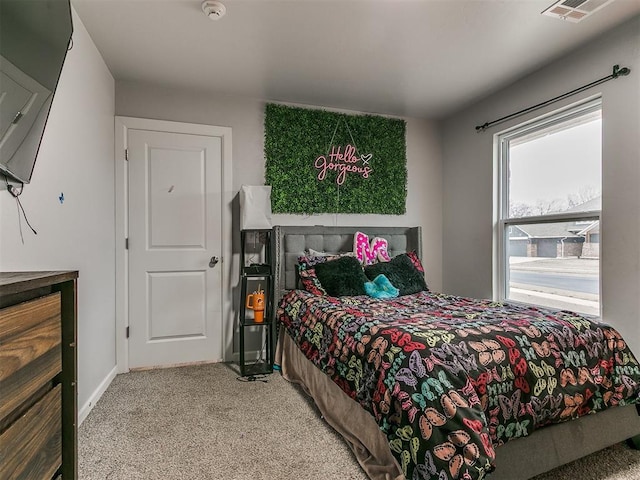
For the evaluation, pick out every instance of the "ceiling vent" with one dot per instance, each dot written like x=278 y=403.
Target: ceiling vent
x=574 y=10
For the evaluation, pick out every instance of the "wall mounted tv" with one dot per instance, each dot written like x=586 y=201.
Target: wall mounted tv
x=34 y=38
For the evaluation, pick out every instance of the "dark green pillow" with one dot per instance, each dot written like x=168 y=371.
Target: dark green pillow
x=401 y=272
x=342 y=277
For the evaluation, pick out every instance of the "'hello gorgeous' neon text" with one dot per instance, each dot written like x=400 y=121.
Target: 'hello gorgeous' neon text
x=343 y=162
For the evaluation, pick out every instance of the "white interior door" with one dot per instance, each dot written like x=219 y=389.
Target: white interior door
x=175 y=209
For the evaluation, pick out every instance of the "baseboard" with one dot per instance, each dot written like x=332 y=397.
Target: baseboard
x=95 y=396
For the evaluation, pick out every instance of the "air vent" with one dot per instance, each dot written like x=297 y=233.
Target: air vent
x=574 y=10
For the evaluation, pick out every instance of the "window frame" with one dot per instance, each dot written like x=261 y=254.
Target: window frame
x=503 y=221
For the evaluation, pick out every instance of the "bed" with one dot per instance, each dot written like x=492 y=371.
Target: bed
x=433 y=386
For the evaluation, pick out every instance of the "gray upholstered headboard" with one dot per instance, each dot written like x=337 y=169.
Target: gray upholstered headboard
x=290 y=242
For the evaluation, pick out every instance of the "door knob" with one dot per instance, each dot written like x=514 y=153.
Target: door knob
x=213 y=262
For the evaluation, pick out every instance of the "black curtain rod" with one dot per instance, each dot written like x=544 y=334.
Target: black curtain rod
x=617 y=71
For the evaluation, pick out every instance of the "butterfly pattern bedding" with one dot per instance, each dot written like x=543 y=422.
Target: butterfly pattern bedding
x=448 y=378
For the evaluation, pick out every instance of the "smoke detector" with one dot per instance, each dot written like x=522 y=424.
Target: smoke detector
x=574 y=10
x=213 y=9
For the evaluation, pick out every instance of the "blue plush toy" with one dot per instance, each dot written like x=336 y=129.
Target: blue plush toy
x=381 y=287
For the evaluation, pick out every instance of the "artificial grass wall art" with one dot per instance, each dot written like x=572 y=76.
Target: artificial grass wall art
x=326 y=162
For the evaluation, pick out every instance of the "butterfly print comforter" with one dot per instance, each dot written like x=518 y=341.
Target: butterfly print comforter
x=449 y=378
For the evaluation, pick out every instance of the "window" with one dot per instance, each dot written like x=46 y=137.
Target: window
x=549 y=211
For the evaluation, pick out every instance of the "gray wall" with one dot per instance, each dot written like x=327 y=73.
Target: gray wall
x=246 y=117
x=76 y=158
x=468 y=173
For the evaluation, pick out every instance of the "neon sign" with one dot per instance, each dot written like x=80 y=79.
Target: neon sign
x=343 y=162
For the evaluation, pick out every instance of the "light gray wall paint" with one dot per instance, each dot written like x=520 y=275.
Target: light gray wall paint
x=246 y=117
x=468 y=178
x=76 y=158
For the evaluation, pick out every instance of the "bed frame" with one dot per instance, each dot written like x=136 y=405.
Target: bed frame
x=553 y=445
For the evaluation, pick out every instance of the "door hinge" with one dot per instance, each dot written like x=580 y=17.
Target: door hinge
x=127 y=332
x=17 y=118
x=126 y=154
x=126 y=243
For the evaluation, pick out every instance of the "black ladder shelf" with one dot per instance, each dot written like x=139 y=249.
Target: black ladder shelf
x=263 y=274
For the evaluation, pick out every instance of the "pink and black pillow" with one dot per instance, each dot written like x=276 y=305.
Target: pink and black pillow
x=307 y=273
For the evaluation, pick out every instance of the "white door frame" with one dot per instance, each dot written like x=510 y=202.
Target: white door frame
x=122 y=125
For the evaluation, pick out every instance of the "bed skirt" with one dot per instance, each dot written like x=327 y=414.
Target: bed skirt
x=346 y=416
x=553 y=446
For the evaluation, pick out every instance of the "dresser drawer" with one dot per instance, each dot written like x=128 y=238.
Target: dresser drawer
x=31 y=448
x=30 y=350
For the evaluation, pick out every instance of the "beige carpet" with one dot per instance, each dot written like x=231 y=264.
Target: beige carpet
x=200 y=423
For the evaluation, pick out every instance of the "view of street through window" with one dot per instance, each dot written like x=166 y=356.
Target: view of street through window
x=562 y=283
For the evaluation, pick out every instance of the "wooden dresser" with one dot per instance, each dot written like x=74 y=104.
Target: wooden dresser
x=38 y=370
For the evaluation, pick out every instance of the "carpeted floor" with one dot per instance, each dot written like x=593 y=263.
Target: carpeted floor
x=200 y=423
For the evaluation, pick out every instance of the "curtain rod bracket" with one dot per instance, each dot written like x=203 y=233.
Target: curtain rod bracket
x=616 y=72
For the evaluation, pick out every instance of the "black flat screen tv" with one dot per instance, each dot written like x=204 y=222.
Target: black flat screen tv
x=34 y=38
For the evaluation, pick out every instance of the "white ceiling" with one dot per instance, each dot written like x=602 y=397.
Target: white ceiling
x=405 y=57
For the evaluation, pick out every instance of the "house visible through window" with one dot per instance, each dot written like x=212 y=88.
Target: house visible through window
x=549 y=211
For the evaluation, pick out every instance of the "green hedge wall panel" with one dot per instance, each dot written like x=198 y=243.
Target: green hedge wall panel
x=296 y=137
